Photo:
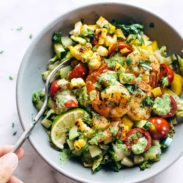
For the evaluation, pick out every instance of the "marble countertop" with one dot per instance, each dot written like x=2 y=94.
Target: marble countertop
x=21 y=20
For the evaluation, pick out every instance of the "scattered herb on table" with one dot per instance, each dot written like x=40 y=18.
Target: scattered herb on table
x=10 y=78
x=19 y=28
x=30 y=36
x=14 y=133
x=13 y=125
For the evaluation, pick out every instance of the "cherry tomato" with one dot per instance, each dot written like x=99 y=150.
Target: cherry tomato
x=71 y=103
x=143 y=133
x=166 y=71
x=122 y=45
x=55 y=86
x=173 y=108
x=159 y=129
x=79 y=71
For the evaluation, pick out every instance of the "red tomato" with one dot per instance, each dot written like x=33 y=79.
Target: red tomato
x=54 y=87
x=122 y=45
x=160 y=128
x=173 y=108
x=143 y=133
x=166 y=71
x=79 y=71
x=71 y=103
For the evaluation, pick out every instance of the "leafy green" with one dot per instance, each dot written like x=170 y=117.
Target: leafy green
x=136 y=29
x=131 y=88
x=148 y=101
x=56 y=38
x=145 y=64
x=37 y=98
x=65 y=154
x=145 y=165
x=128 y=61
x=113 y=60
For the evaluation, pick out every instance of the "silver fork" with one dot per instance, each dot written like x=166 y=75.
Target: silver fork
x=28 y=131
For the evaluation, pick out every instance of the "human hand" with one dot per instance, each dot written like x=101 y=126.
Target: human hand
x=8 y=164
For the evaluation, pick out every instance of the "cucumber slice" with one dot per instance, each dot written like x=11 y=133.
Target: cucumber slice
x=66 y=41
x=62 y=124
x=64 y=72
x=94 y=151
x=73 y=133
x=59 y=50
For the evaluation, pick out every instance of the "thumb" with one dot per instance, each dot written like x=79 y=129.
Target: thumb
x=8 y=164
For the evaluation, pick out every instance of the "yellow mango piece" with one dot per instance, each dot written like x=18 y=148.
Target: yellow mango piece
x=167 y=91
x=154 y=45
x=126 y=122
x=177 y=84
x=156 y=91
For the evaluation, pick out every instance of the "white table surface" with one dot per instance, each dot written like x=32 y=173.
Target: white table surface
x=29 y=17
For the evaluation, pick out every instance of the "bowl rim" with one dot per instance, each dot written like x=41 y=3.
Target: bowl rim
x=23 y=63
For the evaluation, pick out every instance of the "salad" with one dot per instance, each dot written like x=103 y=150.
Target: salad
x=116 y=104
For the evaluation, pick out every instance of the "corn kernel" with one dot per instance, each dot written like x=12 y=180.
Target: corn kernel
x=102 y=51
x=77 y=83
x=77 y=29
x=79 y=144
x=101 y=22
x=81 y=125
x=119 y=34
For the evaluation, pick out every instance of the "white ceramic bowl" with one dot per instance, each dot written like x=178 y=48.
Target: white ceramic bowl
x=35 y=61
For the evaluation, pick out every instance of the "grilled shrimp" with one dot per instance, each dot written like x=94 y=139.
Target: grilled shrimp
x=146 y=65
x=136 y=111
x=111 y=102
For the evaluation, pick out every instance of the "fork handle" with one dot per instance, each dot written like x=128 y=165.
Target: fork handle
x=23 y=137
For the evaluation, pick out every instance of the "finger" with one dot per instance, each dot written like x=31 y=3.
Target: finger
x=8 y=148
x=8 y=164
x=13 y=179
x=4 y=149
x=20 y=153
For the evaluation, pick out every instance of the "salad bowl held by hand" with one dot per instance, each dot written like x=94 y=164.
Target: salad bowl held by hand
x=35 y=61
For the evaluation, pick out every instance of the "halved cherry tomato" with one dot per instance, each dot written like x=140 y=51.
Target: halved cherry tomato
x=159 y=129
x=122 y=45
x=173 y=108
x=143 y=133
x=166 y=71
x=55 y=86
x=71 y=103
x=79 y=71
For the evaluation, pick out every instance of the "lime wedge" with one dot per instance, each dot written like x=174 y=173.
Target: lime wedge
x=62 y=124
